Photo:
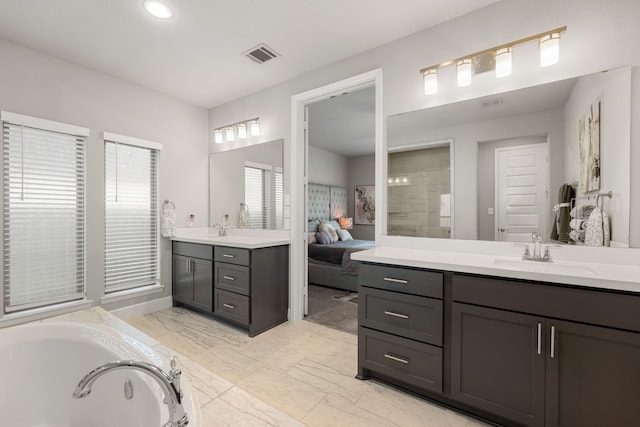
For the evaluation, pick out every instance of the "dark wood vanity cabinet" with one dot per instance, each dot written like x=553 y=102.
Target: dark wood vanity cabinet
x=248 y=288
x=516 y=352
x=193 y=275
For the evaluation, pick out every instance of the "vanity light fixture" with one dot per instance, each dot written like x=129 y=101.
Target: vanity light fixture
x=228 y=133
x=158 y=8
x=497 y=58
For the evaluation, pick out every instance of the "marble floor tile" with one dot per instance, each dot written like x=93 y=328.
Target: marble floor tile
x=233 y=364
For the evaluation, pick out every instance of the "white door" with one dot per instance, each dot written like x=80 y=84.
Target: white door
x=305 y=282
x=521 y=192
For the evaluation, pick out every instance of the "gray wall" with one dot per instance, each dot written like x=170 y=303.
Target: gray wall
x=327 y=168
x=362 y=171
x=38 y=85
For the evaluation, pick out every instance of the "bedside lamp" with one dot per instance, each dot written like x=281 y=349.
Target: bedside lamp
x=346 y=223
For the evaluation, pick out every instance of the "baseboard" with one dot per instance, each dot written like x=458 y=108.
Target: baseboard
x=143 y=308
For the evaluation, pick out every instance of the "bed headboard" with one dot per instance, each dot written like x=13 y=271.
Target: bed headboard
x=326 y=202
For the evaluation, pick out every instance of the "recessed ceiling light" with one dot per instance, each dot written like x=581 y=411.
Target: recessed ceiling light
x=158 y=8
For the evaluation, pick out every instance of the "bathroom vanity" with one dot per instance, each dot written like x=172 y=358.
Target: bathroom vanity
x=242 y=280
x=534 y=351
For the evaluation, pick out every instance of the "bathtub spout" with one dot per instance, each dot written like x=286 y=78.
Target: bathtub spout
x=170 y=384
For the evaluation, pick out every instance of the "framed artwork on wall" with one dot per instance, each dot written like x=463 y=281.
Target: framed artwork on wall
x=589 y=140
x=365 y=205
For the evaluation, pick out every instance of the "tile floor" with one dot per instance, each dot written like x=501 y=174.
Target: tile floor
x=303 y=370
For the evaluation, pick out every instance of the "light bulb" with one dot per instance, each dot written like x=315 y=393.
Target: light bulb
x=158 y=9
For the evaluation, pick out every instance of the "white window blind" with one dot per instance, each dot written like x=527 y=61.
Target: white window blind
x=131 y=215
x=279 y=198
x=44 y=212
x=257 y=194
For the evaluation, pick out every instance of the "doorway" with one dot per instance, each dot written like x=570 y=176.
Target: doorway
x=298 y=159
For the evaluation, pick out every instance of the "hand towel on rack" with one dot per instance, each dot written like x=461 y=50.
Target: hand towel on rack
x=168 y=222
x=582 y=211
x=577 y=236
x=560 y=230
x=597 y=231
x=578 y=224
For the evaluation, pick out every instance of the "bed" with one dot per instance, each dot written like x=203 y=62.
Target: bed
x=330 y=264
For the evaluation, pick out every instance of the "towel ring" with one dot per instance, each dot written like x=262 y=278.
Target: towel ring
x=168 y=203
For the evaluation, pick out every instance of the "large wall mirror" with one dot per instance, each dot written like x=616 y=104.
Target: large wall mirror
x=252 y=175
x=508 y=157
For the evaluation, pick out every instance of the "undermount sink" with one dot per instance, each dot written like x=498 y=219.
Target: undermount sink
x=544 y=267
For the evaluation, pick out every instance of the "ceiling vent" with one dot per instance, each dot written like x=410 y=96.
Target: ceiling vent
x=492 y=102
x=261 y=54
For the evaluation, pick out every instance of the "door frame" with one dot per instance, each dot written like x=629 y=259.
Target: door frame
x=298 y=281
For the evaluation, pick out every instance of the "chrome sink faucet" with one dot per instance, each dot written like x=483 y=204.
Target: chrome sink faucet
x=222 y=231
x=537 y=245
x=169 y=383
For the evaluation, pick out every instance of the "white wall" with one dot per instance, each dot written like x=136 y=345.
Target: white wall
x=38 y=85
x=326 y=167
x=613 y=90
x=600 y=35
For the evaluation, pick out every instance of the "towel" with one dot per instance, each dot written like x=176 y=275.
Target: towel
x=578 y=224
x=561 y=229
x=577 y=235
x=581 y=211
x=168 y=220
x=597 y=231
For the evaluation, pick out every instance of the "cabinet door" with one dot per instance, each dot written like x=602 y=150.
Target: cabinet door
x=498 y=362
x=202 y=270
x=182 y=279
x=593 y=376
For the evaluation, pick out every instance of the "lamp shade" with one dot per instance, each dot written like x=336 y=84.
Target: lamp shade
x=430 y=82
x=504 y=64
x=242 y=130
x=345 y=223
x=464 y=72
x=550 y=49
x=218 y=137
x=255 y=128
x=230 y=134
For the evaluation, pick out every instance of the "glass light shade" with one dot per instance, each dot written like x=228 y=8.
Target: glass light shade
x=550 y=49
x=217 y=135
x=255 y=128
x=430 y=82
x=230 y=134
x=242 y=130
x=504 y=63
x=158 y=9
x=464 y=72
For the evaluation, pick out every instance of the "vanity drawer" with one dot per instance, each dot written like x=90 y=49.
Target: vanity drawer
x=232 y=307
x=193 y=250
x=398 y=358
x=418 y=318
x=233 y=278
x=406 y=280
x=232 y=255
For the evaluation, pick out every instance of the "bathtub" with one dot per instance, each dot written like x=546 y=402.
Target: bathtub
x=41 y=364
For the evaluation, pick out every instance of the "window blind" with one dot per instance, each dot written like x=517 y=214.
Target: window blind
x=43 y=213
x=279 y=198
x=131 y=216
x=257 y=193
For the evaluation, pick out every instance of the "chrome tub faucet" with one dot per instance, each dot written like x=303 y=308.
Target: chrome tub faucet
x=169 y=383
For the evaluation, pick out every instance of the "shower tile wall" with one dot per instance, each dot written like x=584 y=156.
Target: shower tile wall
x=418 y=188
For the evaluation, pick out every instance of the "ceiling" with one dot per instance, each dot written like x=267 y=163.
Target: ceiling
x=198 y=55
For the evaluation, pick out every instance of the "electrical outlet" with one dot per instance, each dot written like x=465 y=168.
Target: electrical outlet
x=490 y=211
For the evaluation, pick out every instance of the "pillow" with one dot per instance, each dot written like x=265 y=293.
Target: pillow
x=333 y=223
x=311 y=238
x=312 y=225
x=325 y=226
x=323 y=237
x=344 y=234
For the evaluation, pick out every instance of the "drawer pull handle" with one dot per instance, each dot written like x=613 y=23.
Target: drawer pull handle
x=391 y=313
x=229 y=278
x=539 y=338
x=391 y=279
x=396 y=358
x=228 y=256
x=229 y=306
x=553 y=342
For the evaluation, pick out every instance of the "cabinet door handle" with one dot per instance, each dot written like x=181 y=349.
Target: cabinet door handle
x=391 y=313
x=188 y=264
x=391 y=279
x=229 y=306
x=228 y=256
x=553 y=342
x=229 y=278
x=539 y=338
x=396 y=358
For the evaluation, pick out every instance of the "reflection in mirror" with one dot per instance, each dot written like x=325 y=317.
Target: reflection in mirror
x=419 y=191
x=252 y=175
x=536 y=129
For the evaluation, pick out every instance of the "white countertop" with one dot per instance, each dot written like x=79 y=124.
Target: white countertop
x=248 y=239
x=611 y=276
